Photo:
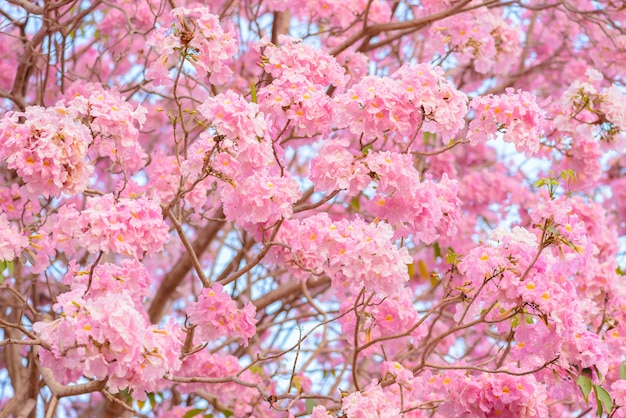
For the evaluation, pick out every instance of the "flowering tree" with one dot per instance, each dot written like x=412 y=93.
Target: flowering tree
x=312 y=208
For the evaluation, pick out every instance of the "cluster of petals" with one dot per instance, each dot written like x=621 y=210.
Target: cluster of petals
x=336 y=167
x=130 y=277
x=300 y=76
x=425 y=210
x=12 y=240
x=15 y=204
x=239 y=398
x=354 y=253
x=47 y=148
x=296 y=57
x=124 y=226
x=204 y=42
x=413 y=98
x=372 y=402
x=112 y=120
x=586 y=102
x=488 y=260
x=488 y=394
x=481 y=37
x=217 y=315
x=509 y=270
x=382 y=317
x=325 y=12
x=515 y=114
x=99 y=336
x=233 y=116
x=255 y=189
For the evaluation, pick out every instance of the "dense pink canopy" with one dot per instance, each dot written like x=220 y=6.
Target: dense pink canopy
x=282 y=208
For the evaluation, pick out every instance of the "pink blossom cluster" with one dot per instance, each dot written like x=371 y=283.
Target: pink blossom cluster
x=255 y=189
x=372 y=402
x=259 y=196
x=515 y=114
x=325 y=12
x=11 y=241
x=234 y=117
x=481 y=37
x=164 y=180
x=15 y=204
x=163 y=175
x=553 y=325
x=239 y=398
x=98 y=336
x=486 y=261
x=381 y=317
x=336 y=167
x=619 y=193
x=297 y=95
x=130 y=278
x=47 y=148
x=413 y=98
x=113 y=122
x=485 y=394
x=296 y=57
x=200 y=40
x=125 y=226
x=586 y=103
x=355 y=254
x=217 y=316
x=424 y=210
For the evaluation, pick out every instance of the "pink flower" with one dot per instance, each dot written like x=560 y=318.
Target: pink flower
x=130 y=277
x=205 y=44
x=217 y=315
x=515 y=114
x=11 y=241
x=112 y=120
x=336 y=168
x=47 y=149
x=370 y=403
x=103 y=336
x=413 y=98
x=125 y=226
x=233 y=116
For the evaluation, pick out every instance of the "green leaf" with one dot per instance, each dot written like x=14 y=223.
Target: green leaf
x=451 y=257
x=434 y=280
x=228 y=413
x=152 y=399
x=193 y=412
x=11 y=267
x=256 y=369
x=515 y=322
x=3 y=265
x=428 y=136
x=598 y=372
x=411 y=269
x=603 y=397
x=297 y=384
x=141 y=404
x=366 y=149
x=355 y=204
x=585 y=386
x=310 y=404
x=423 y=269
x=622 y=371
x=568 y=174
x=253 y=92
x=437 y=250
